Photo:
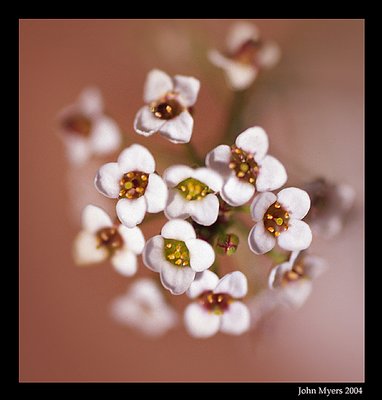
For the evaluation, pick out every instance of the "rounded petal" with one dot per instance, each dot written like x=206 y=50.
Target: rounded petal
x=204 y=212
x=269 y=54
x=157 y=84
x=314 y=266
x=188 y=88
x=86 y=250
x=105 y=136
x=298 y=236
x=209 y=177
x=78 y=150
x=346 y=195
x=107 y=180
x=260 y=205
x=219 y=158
x=94 y=218
x=178 y=229
x=177 y=205
x=234 y=284
x=240 y=33
x=259 y=240
x=153 y=254
x=236 y=320
x=145 y=122
x=202 y=255
x=204 y=281
x=156 y=194
x=236 y=192
x=176 y=279
x=125 y=262
x=296 y=293
x=295 y=200
x=178 y=129
x=91 y=102
x=176 y=174
x=131 y=212
x=133 y=238
x=136 y=158
x=272 y=175
x=277 y=273
x=200 y=323
x=254 y=141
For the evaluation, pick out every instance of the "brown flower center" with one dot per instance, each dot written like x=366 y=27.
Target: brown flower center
x=110 y=239
x=296 y=273
x=167 y=107
x=215 y=303
x=276 y=219
x=244 y=165
x=133 y=185
x=77 y=124
x=247 y=53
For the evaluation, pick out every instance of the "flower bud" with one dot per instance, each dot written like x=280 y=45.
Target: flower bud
x=227 y=243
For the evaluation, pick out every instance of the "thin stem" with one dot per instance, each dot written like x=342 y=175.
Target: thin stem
x=193 y=154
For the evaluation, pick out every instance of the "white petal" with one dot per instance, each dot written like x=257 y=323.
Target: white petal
x=178 y=229
x=133 y=238
x=125 y=262
x=240 y=33
x=107 y=180
x=131 y=212
x=234 y=284
x=277 y=273
x=178 y=129
x=153 y=254
x=236 y=192
x=157 y=84
x=209 y=177
x=327 y=226
x=146 y=123
x=85 y=249
x=156 y=194
x=219 y=158
x=176 y=279
x=260 y=205
x=204 y=212
x=272 y=174
x=236 y=319
x=254 y=141
x=136 y=158
x=346 y=195
x=296 y=201
x=200 y=323
x=298 y=236
x=90 y=101
x=146 y=290
x=94 y=218
x=176 y=174
x=202 y=255
x=204 y=281
x=269 y=54
x=296 y=293
x=259 y=240
x=177 y=205
x=105 y=136
x=314 y=266
x=188 y=88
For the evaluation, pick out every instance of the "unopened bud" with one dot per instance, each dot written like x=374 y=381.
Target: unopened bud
x=227 y=243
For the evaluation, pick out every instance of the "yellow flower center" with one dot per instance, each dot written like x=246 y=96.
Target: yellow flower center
x=176 y=252
x=244 y=165
x=296 y=273
x=192 y=189
x=276 y=219
x=133 y=185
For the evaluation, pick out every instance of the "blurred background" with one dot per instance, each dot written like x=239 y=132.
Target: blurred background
x=310 y=104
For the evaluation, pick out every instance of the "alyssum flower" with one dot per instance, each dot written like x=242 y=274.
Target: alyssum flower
x=177 y=255
x=167 y=110
x=246 y=55
x=86 y=130
x=246 y=167
x=217 y=306
x=192 y=193
x=101 y=239
x=278 y=219
x=133 y=182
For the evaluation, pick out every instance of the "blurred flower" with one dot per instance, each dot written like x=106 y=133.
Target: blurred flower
x=144 y=308
x=100 y=239
x=177 y=255
x=245 y=56
x=192 y=193
x=217 y=307
x=246 y=167
x=278 y=219
x=293 y=279
x=86 y=130
x=167 y=110
x=331 y=204
x=133 y=182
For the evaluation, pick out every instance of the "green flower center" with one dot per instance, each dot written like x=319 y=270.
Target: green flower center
x=110 y=239
x=176 y=252
x=215 y=303
x=244 y=165
x=133 y=185
x=276 y=219
x=192 y=189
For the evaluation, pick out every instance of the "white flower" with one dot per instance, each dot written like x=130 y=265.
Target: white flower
x=177 y=255
x=293 y=278
x=100 y=239
x=168 y=104
x=217 y=307
x=192 y=193
x=144 y=308
x=246 y=167
x=278 y=219
x=246 y=55
x=86 y=130
x=133 y=182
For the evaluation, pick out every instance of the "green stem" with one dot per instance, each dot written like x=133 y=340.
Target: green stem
x=193 y=154
x=277 y=256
